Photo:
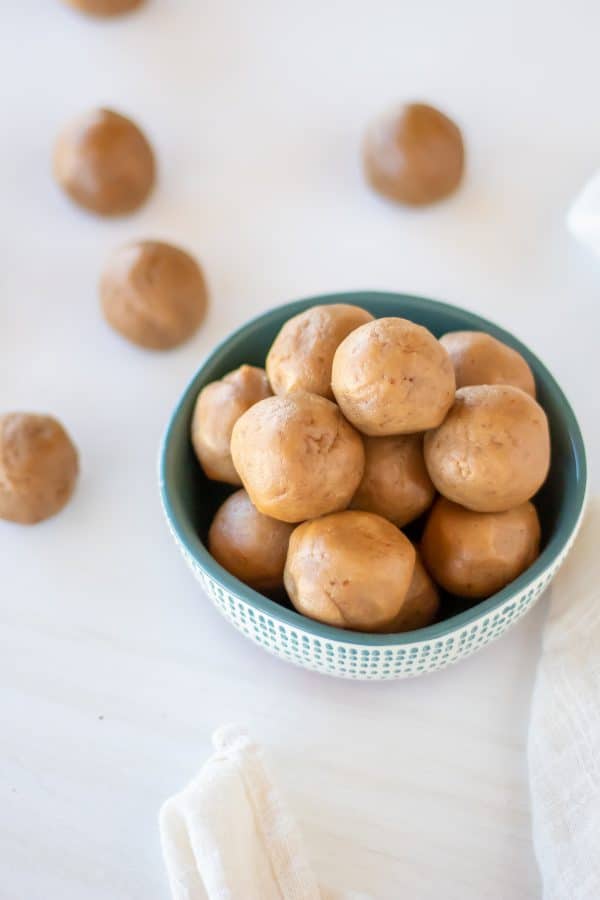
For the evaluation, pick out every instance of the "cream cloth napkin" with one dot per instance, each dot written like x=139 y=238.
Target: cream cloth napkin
x=229 y=835
x=583 y=218
x=564 y=736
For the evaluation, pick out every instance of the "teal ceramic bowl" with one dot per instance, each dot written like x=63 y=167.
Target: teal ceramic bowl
x=190 y=500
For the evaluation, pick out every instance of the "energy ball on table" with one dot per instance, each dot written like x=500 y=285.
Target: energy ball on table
x=492 y=452
x=473 y=554
x=421 y=604
x=350 y=569
x=218 y=407
x=251 y=546
x=479 y=358
x=396 y=484
x=391 y=376
x=104 y=163
x=302 y=353
x=414 y=155
x=38 y=467
x=105 y=7
x=153 y=294
x=297 y=456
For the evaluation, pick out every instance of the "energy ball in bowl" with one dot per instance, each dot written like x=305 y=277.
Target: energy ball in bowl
x=350 y=569
x=251 y=546
x=301 y=356
x=492 y=452
x=392 y=376
x=479 y=358
x=396 y=484
x=104 y=162
x=473 y=554
x=414 y=155
x=218 y=407
x=38 y=467
x=105 y=7
x=297 y=456
x=421 y=604
x=153 y=294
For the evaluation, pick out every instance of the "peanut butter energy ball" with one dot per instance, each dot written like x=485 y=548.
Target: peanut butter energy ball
x=104 y=163
x=396 y=484
x=414 y=155
x=479 y=358
x=475 y=554
x=218 y=407
x=153 y=294
x=391 y=376
x=105 y=8
x=350 y=569
x=302 y=353
x=492 y=452
x=421 y=604
x=251 y=546
x=38 y=467
x=297 y=456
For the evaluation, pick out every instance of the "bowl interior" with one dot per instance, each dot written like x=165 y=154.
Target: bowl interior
x=190 y=499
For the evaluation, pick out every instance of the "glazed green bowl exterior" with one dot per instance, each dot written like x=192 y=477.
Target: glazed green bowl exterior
x=190 y=501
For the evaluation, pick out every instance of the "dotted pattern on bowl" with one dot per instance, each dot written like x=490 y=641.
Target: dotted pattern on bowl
x=346 y=660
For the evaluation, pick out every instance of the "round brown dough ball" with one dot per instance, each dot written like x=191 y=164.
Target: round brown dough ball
x=105 y=8
x=251 y=546
x=492 y=452
x=153 y=294
x=218 y=407
x=392 y=376
x=297 y=457
x=395 y=484
x=414 y=155
x=104 y=163
x=473 y=554
x=302 y=353
x=350 y=569
x=38 y=467
x=421 y=604
x=479 y=358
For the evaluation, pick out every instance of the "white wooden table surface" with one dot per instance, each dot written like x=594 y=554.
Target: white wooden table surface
x=114 y=669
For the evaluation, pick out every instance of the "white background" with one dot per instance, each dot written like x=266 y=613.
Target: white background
x=114 y=669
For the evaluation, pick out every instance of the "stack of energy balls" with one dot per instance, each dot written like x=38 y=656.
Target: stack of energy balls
x=358 y=428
